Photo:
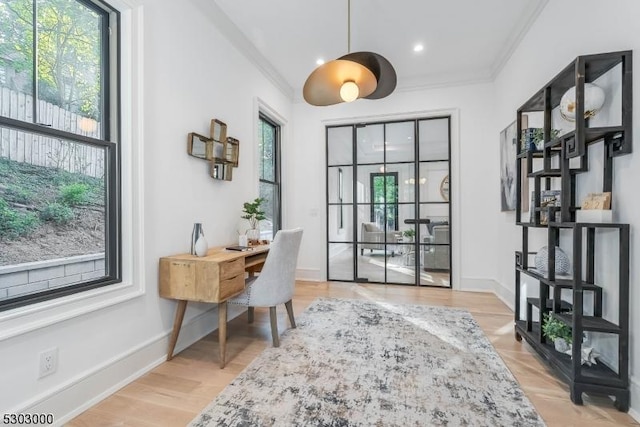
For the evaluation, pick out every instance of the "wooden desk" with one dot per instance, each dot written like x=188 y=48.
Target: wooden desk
x=213 y=278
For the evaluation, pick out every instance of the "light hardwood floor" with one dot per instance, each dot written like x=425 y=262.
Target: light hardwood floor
x=176 y=391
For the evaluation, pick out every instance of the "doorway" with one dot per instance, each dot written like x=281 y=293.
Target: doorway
x=388 y=209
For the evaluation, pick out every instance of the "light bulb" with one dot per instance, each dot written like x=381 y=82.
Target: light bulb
x=349 y=91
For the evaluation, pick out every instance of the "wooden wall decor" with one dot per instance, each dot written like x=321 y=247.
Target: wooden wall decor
x=220 y=151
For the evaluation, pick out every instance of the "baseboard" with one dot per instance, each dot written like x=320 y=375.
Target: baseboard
x=634 y=410
x=309 y=274
x=78 y=394
x=503 y=293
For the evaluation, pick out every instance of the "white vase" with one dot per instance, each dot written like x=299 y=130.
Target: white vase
x=201 y=246
x=243 y=240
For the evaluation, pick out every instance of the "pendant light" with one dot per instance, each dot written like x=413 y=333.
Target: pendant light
x=352 y=76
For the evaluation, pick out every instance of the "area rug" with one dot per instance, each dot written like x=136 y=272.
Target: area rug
x=360 y=363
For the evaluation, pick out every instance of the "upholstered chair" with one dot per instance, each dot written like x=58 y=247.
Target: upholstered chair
x=373 y=237
x=275 y=283
x=436 y=254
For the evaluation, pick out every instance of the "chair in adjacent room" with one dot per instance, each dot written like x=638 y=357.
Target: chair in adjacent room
x=373 y=237
x=275 y=283
x=436 y=251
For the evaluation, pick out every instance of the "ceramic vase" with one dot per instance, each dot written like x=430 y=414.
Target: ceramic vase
x=243 y=240
x=195 y=235
x=201 y=246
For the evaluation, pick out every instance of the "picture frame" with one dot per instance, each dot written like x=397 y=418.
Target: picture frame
x=218 y=130
x=232 y=151
x=508 y=155
x=199 y=146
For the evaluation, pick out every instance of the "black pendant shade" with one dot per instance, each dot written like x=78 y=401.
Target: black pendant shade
x=352 y=76
x=380 y=67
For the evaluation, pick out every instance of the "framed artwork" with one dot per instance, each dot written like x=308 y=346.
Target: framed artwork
x=508 y=152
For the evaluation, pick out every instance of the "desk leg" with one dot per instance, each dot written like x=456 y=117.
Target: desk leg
x=177 y=324
x=222 y=331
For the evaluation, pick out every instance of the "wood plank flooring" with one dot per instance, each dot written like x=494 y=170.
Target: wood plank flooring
x=176 y=391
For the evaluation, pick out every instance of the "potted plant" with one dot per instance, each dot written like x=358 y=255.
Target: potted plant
x=556 y=331
x=409 y=234
x=254 y=215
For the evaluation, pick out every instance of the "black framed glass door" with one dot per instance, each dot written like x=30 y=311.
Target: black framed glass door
x=388 y=204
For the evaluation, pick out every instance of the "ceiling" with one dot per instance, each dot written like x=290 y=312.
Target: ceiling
x=464 y=40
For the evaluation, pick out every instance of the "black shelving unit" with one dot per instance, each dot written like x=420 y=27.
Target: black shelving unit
x=563 y=159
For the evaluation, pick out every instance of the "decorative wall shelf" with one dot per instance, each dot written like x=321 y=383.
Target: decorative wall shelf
x=558 y=159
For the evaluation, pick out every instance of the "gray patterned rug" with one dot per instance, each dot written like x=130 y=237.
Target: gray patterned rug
x=359 y=363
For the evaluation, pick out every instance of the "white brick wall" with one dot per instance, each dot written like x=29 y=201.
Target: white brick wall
x=32 y=277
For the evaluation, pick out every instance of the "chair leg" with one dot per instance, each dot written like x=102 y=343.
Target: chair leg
x=290 y=313
x=250 y=314
x=274 y=326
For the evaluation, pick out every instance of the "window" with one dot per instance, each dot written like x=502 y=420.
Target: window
x=59 y=153
x=269 y=147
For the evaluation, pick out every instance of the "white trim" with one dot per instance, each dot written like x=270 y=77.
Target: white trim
x=309 y=274
x=634 y=387
x=455 y=179
x=521 y=28
x=36 y=316
x=503 y=293
x=94 y=385
x=231 y=32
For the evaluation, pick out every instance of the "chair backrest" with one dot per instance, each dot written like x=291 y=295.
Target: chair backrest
x=276 y=282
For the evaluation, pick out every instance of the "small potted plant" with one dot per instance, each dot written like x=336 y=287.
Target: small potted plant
x=557 y=332
x=409 y=234
x=254 y=215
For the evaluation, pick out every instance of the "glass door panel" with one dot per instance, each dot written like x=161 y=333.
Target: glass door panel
x=434 y=182
x=340 y=182
x=340 y=146
x=399 y=142
x=341 y=261
x=400 y=233
x=370 y=144
x=434 y=139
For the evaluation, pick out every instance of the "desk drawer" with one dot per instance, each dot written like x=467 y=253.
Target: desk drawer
x=231 y=287
x=231 y=268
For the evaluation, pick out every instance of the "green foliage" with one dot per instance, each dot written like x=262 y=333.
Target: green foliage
x=18 y=194
x=253 y=213
x=57 y=213
x=74 y=194
x=409 y=233
x=13 y=223
x=552 y=328
x=68 y=40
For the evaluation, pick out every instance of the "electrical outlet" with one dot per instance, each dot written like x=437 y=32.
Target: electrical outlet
x=48 y=362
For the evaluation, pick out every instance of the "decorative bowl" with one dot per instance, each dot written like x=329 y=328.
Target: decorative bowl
x=593 y=100
x=562 y=260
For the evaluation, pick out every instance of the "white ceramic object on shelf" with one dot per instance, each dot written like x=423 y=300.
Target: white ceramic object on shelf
x=243 y=240
x=201 y=246
x=562 y=260
x=593 y=101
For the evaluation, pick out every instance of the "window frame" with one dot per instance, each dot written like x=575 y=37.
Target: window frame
x=277 y=182
x=111 y=120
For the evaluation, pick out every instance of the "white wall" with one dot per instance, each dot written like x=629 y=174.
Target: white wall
x=564 y=30
x=191 y=74
x=474 y=191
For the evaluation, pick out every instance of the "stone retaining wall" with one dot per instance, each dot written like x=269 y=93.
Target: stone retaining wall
x=16 y=280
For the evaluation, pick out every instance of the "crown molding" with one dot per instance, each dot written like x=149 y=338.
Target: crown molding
x=520 y=30
x=232 y=33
